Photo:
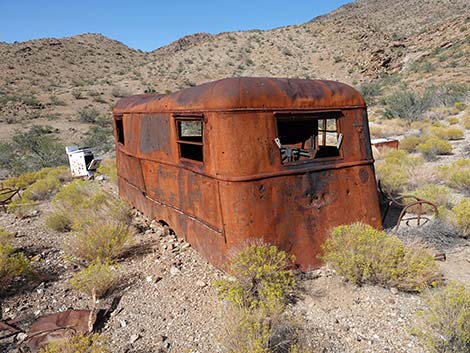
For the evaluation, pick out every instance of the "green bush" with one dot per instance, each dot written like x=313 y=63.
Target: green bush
x=409 y=143
x=451 y=133
x=263 y=278
x=88 y=115
x=103 y=239
x=100 y=138
x=437 y=194
x=59 y=222
x=460 y=216
x=407 y=105
x=370 y=91
x=395 y=169
x=96 y=280
x=363 y=254
x=78 y=344
x=32 y=150
x=11 y=264
x=457 y=175
x=108 y=168
x=444 y=325
x=466 y=120
x=434 y=146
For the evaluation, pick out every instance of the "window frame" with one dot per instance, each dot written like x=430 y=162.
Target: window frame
x=317 y=115
x=119 y=130
x=189 y=117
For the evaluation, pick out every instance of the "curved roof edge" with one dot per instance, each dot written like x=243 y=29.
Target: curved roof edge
x=247 y=93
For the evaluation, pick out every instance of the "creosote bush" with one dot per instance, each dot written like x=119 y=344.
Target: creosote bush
x=395 y=169
x=262 y=281
x=409 y=143
x=457 y=174
x=96 y=280
x=363 y=254
x=444 y=326
x=11 y=264
x=94 y=343
x=263 y=278
x=460 y=217
x=434 y=146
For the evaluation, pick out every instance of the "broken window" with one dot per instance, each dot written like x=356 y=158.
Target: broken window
x=190 y=138
x=308 y=136
x=119 y=130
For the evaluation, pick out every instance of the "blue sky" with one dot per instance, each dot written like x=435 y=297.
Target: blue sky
x=148 y=25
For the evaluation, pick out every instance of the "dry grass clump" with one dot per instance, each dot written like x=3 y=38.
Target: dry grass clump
x=434 y=146
x=444 y=326
x=78 y=344
x=104 y=239
x=258 y=292
x=453 y=120
x=457 y=174
x=363 y=254
x=96 y=280
x=59 y=222
x=395 y=169
x=11 y=264
x=409 y=143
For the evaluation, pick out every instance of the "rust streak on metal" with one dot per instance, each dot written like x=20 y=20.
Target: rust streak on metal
x=278 y=159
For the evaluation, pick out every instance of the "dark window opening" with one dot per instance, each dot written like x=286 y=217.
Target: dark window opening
x=119 y=130
x=306 y=137
x=190 y=138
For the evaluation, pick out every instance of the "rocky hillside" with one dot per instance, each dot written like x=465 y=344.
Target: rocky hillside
x=49 y=81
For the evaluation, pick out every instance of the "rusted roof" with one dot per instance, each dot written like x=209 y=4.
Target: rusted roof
x=251 y=93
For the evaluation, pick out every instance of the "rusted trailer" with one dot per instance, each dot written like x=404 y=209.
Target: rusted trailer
x=284 y=160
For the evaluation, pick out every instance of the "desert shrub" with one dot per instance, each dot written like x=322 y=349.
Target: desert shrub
x=12 y=264
x=395 y=169
x=453 y=120
x=104 y=240
x=434 y=146
x=58 y=221
x=96 y=280
x=466 y=120
x=24 y=180
x=457 y=174
x=78 y=94
x=451 y=133
x=444 y=326
x=100 y=138
x=119 y=92
x=94 y=343
x=460 y=217
x=363 y=254
x=409 y=143
x=407 y=105
x=263 y=278
x=32 y=150
x=42 y=188
x=460 y=106
x=438 y=194
x=370 y=91
x=262 y=281
x=87 y=115
x=108 y=167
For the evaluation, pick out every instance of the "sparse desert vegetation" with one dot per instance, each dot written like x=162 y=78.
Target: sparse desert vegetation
x=83 y=243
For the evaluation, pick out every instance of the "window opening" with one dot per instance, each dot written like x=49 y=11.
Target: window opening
x=306 y=137
x=119 y=130
x=190 y=138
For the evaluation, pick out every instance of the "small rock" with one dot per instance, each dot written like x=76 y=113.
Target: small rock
x=134 y=338
x=174 y=270
x=100 y=177
x=21 y=336
x=123 y=323
x=185 y=246
x=394 y=290
x=149 y=279
x=200 y=283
